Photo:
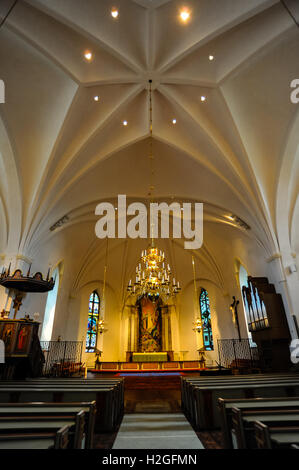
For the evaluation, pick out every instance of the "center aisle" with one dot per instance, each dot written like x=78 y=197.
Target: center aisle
x=156 y=431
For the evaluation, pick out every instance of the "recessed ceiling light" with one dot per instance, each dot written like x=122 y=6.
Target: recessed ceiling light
x=185 y=15
x=88 y=55
x=203 y=98
x=211 y=57
x=114 y=13
x=125 y=123
x=96 y=98
x=174 y=121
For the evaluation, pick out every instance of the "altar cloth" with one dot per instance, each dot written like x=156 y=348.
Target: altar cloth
x=150 y=357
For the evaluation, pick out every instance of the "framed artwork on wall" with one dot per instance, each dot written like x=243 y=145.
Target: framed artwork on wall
x=23 y=339
x=8 y=336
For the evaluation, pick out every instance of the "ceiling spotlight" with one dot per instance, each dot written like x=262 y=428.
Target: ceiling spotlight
x=185 y=15
x=88 y=55
x=174 y=121
x=96 y=98
x=211 y=57
x=125 y=123
x=114 y=13
x=203 y=98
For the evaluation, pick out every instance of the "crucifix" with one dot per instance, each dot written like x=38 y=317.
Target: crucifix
x=17 y=302
x=234 y=309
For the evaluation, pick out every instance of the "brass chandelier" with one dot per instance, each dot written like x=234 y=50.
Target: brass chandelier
x=153 y=275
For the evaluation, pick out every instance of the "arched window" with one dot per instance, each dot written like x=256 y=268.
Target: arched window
x=50 y=309
x=205 y=312
x=92 y=324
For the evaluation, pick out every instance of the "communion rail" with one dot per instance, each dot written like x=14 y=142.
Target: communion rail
x=238 y=354
x=62 y=358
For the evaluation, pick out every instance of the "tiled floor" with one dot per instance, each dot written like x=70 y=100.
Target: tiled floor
x=156 y=431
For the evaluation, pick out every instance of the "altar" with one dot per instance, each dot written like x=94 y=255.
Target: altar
x=150 y=357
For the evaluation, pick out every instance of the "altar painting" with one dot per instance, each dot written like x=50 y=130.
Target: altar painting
x=149 y=326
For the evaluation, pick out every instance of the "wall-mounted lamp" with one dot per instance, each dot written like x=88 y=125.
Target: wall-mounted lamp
x=101 y=327
x=197 y=326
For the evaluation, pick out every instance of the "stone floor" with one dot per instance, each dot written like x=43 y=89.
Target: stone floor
x=156 y=431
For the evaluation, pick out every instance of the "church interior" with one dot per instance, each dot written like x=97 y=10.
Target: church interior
x=136 y=342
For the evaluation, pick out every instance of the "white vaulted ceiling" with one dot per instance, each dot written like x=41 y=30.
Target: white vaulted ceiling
x=62 y=152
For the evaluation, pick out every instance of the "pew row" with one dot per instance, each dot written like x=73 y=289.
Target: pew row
x=199 y=396
x=243 y=424
x=50 y=412
x=47 y=440
x=107 y=395
x=187 y=384
x=275 y=438
x=249 y=407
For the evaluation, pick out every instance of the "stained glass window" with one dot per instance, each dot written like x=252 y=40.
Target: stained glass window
x=92 y=324
x=205 y=312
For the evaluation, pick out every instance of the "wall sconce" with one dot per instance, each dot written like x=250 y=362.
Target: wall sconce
x=101 y=328
x=197 y=326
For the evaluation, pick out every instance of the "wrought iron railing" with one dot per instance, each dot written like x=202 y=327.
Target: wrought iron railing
x=238 y=353
x=62 y=358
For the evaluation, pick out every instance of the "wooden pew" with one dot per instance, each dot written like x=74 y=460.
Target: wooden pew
x=49 y=440
x=118 y=382
x=187 y=384
x=68 y=383
x=107 y=398
x=275 y=438
x=243 y=422
x=206 y=413
x=46 y=423
x=75 y=425
x=253 y=405
x=188 y=387
x=57 y=410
